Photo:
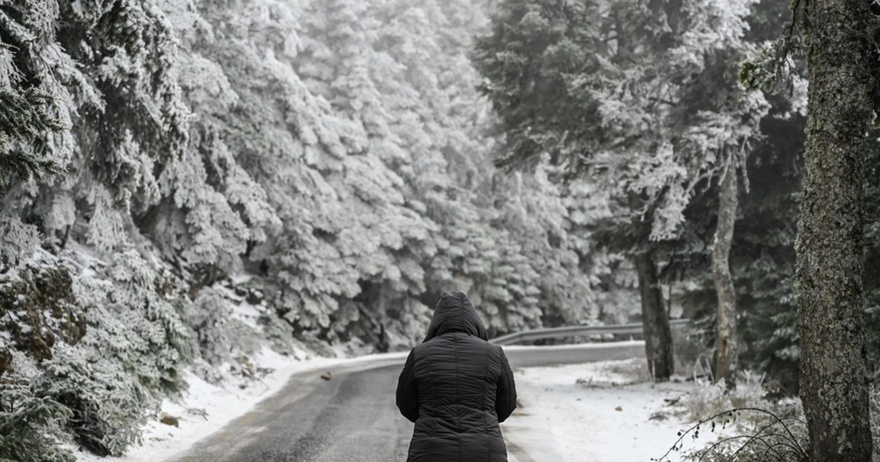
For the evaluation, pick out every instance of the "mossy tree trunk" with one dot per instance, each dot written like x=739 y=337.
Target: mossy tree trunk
x=725 y=340
x=830 y=233
x=655 y=320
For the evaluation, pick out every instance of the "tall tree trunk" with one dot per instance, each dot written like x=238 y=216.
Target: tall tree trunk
x=830 y=233
x=655 y=321
x=726 y=350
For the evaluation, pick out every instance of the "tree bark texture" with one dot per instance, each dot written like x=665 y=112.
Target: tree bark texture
x=830 y=233
x=726 y=351
x=655 y=320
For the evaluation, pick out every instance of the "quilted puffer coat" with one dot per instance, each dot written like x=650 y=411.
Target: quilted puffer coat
x=456 y=387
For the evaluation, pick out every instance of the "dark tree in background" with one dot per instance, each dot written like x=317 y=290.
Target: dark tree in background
x=530 y=62
x=640 y=98
x=831 y=232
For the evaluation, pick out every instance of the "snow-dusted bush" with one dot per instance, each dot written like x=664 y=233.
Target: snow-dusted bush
x=751 y=428
x=103 y=341
x=39 y=309
x=750 y=435
x=207 y=315
x=133 y=320
x=106 y=404
x=276 y=331
x=746 y=421
x=30 y=424
x=218 y=335
x=18 y=241
x=709 y=398
x=131 y=355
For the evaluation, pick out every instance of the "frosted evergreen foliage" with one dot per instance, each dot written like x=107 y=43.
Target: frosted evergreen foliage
x=329 y=192
x=692 y=147
x=106 y=228
x=334 y=152
x=131 y=309
x=661 y=81
x=104 y=402
x=219 y=337
x=36 y=440
x=18 y=241
x=557 y=239
x=102 y=342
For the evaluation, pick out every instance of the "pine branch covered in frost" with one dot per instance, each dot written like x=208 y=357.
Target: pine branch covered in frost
x=30 y=424
x=129 y=311
x=105 y=402
x=18 y=241
x=219 y=337
x=25 y=128
x=101 y=349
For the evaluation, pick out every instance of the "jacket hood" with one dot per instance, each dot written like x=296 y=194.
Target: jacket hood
x=455 y=313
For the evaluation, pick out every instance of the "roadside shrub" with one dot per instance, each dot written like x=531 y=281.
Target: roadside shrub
x=136 y=322
x=750 y=427
x=38 y=309
x=759 y=436
x=18 y=241
x=30 y=425
x=277 y=332
x=131 y=355
x=85 y=352
x=709 y=398
x=105 y=403
x=218 y=335
x=757 y=430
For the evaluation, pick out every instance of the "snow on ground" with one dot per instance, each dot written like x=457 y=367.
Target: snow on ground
x=596 y=412
x=207 y=408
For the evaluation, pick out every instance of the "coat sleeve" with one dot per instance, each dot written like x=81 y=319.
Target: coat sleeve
x=505 y=397
x=407 y=392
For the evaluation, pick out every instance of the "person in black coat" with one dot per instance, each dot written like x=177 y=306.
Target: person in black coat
x=456 y=387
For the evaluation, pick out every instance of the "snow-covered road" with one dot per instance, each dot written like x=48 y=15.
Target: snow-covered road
x=575 y=412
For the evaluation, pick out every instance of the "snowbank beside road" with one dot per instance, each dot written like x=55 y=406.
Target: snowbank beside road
x=597 y=412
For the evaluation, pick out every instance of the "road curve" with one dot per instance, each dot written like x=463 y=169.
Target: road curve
x=352 y=417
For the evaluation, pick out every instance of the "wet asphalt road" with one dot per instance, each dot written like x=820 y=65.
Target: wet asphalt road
x=353 y=417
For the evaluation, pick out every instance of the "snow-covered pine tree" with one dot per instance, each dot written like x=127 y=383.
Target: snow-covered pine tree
x=553 y=222
x=629 y=69
x=117 y=118
x=298 y=155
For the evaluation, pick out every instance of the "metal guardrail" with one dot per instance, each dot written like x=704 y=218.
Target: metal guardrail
x=576 y=331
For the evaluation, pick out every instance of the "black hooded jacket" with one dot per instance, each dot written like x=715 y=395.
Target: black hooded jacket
x=456 y=387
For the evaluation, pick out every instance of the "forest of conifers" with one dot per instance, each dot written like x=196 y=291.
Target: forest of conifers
x=338 y=164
